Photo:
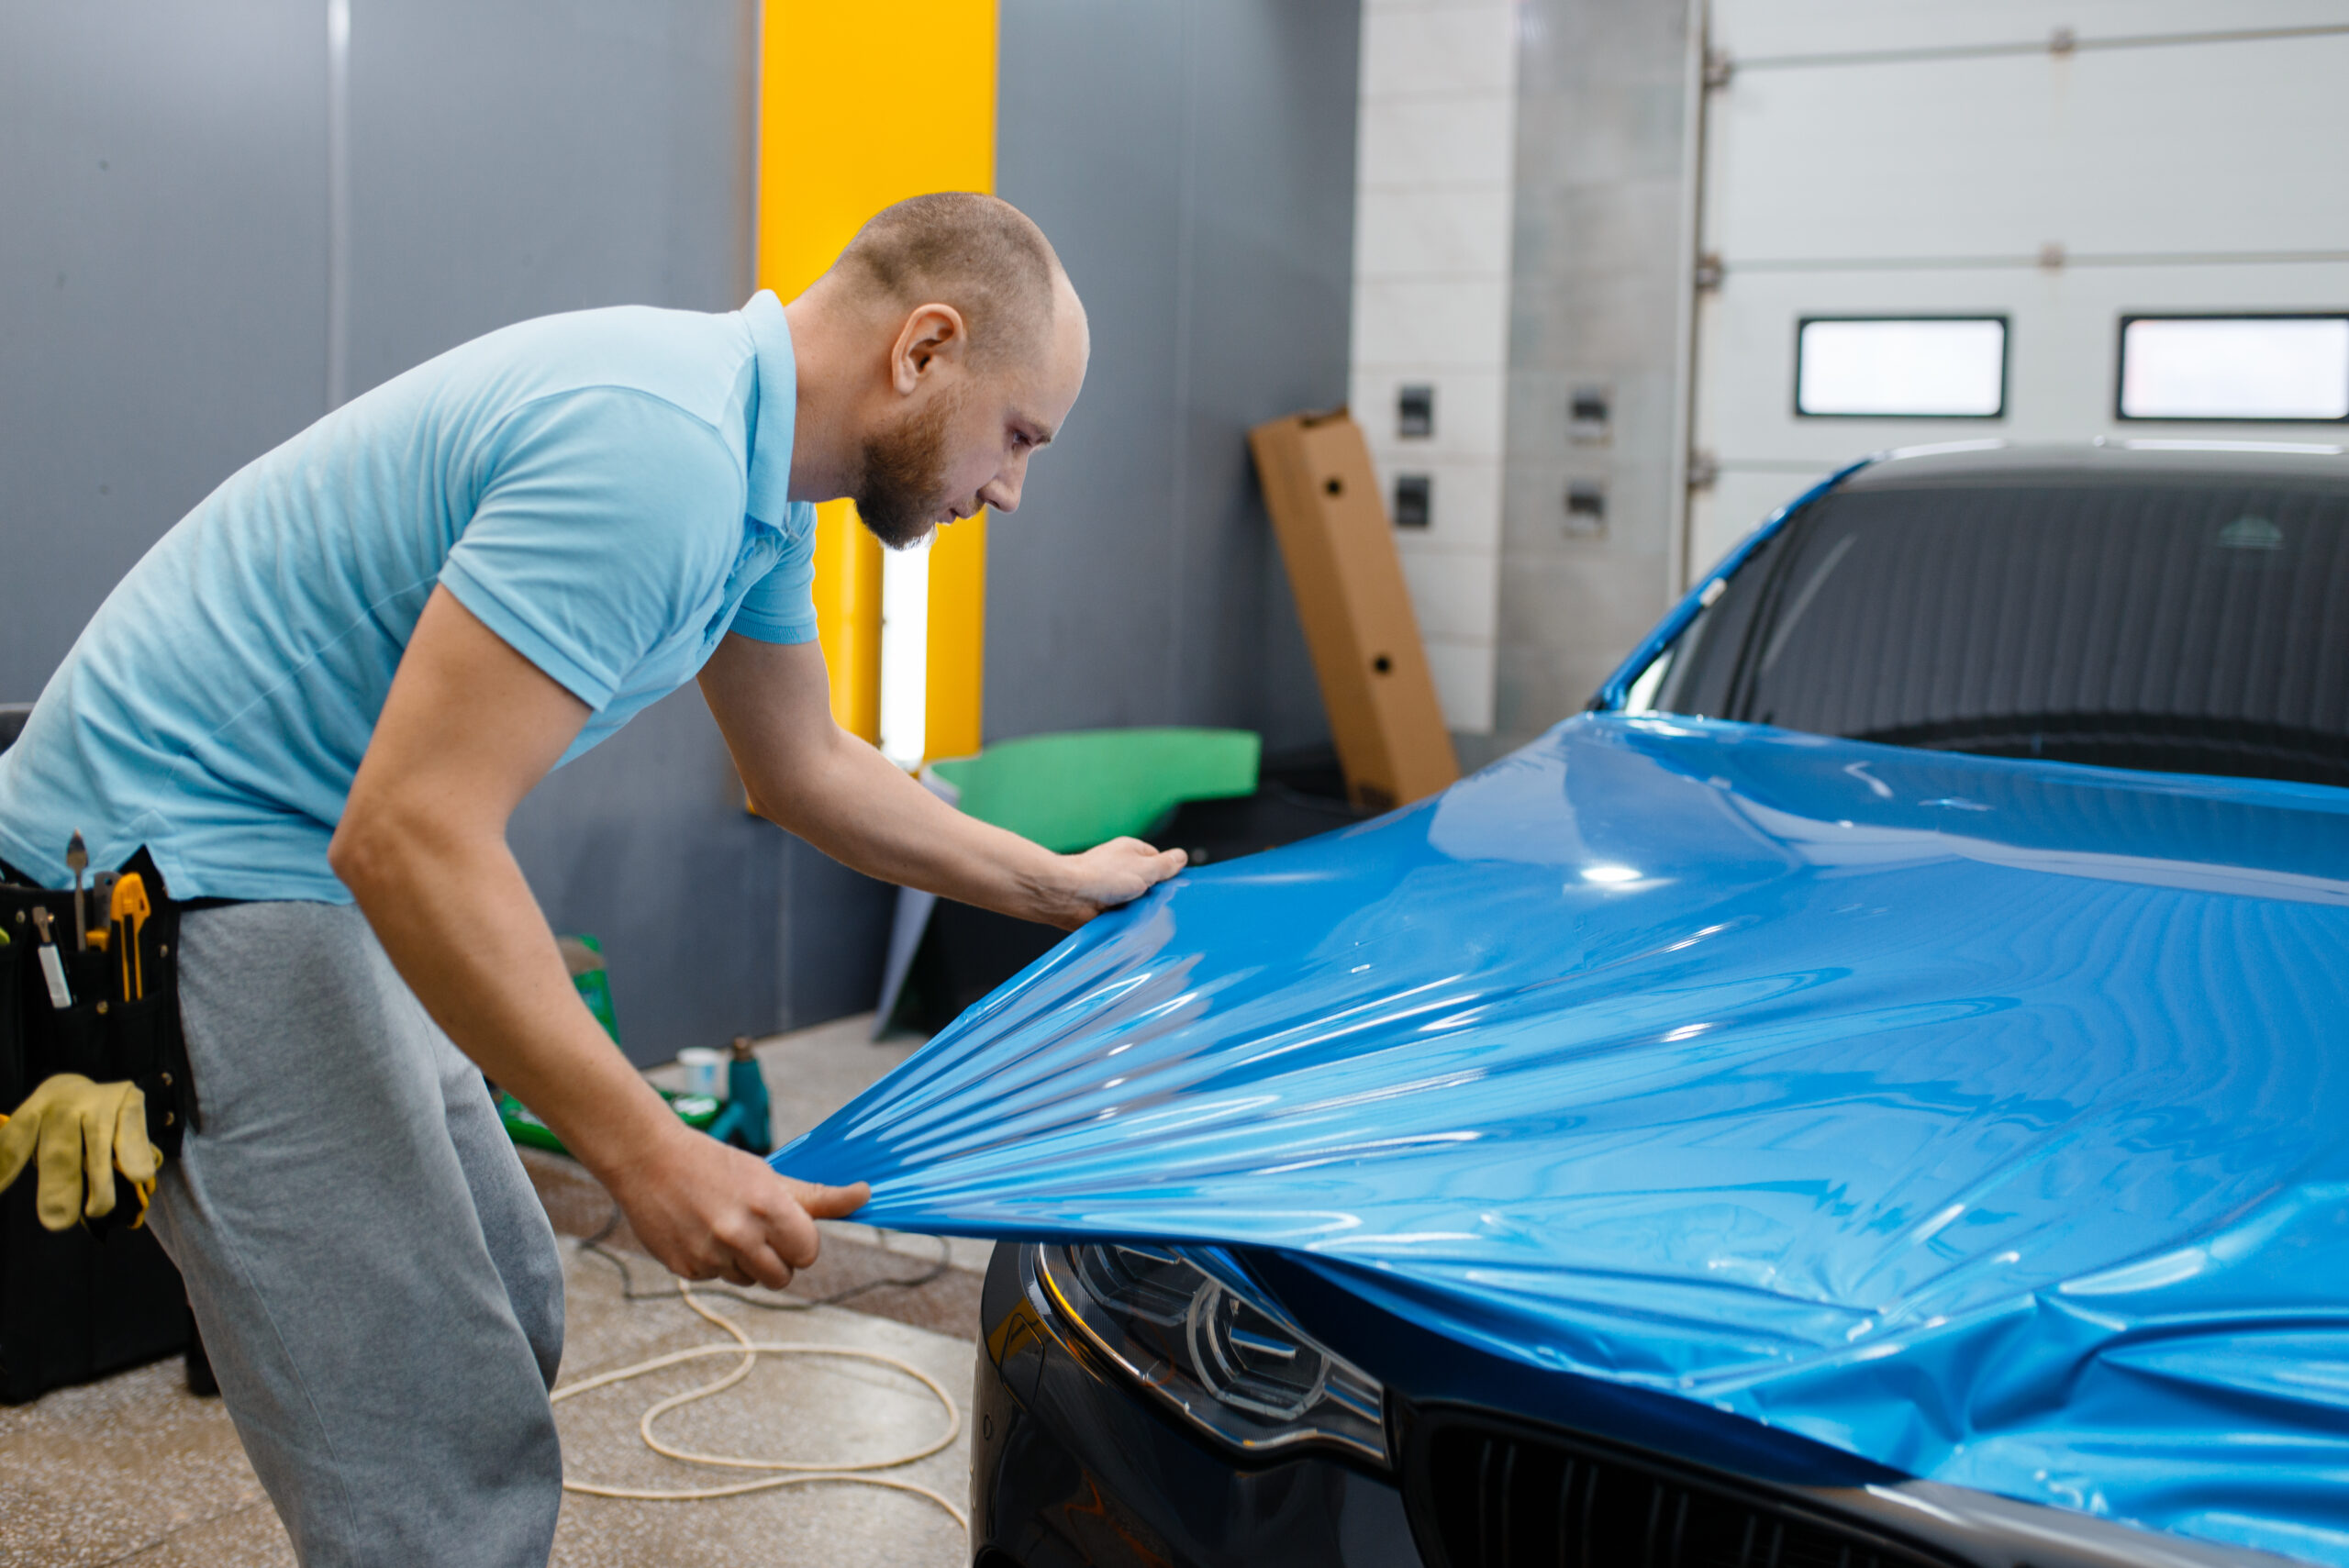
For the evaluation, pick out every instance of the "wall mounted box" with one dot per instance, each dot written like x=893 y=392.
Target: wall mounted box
x=1342 y=566
x=1585 y=507
x=1414 y=501
x=1415 y=411
x=1589 y=413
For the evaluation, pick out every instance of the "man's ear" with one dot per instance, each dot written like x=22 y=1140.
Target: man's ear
x=931 y=335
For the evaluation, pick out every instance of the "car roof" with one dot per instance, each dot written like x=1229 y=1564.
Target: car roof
x=2103 y=460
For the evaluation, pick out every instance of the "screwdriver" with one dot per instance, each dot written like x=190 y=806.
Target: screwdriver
x=77 y=860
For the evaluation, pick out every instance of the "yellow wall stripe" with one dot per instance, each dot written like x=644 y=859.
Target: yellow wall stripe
x=958 y=611
x=848 y=616
x=851 y=118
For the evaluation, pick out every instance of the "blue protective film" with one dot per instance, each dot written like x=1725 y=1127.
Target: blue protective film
x=1987 y=1119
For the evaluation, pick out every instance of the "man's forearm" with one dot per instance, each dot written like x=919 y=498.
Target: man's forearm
x=857 y=807
x=469 y=728
x=456 y=917
x=805 y=773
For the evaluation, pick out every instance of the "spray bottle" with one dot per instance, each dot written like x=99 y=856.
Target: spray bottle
x=744 y=1122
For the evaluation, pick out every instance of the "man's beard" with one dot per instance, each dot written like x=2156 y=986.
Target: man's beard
x=904 y=485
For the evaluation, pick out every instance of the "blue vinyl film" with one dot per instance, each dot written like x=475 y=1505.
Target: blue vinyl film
x=1987 y=1119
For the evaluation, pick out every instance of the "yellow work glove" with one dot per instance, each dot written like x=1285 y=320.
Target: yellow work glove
x=82 y=1131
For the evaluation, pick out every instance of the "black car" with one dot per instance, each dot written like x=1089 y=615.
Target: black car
x=2163 y=624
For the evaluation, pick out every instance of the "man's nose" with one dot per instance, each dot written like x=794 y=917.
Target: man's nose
x=1002 y=492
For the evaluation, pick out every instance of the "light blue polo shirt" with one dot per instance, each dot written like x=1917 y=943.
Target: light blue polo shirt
x=606 y=491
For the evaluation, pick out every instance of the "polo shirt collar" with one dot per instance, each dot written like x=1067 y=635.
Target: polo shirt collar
x=770 y=483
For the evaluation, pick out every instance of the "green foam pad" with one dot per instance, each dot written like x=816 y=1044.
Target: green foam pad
x=1072 y=791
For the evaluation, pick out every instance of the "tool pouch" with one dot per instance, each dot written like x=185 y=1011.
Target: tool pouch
x=123 y=1020
x=78 y=1304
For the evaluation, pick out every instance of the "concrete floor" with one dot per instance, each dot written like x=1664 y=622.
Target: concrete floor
x=135 y=1470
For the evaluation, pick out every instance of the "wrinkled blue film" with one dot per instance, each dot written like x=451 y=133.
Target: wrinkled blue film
x=1988 y=1119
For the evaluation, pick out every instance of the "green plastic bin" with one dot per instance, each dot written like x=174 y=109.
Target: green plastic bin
x=584 y=956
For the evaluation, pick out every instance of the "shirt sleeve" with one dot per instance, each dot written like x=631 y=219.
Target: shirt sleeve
x=605 y=517
x=781 y=606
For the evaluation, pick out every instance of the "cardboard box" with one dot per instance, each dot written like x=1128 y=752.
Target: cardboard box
x=1342 y=566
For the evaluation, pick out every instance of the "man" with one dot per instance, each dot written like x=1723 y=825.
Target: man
x=334 y=679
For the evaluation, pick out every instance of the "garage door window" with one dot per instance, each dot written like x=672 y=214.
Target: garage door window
x=2293 y=368
x=1914 y=367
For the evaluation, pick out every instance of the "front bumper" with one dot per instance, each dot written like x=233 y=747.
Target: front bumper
x=1070 y=1468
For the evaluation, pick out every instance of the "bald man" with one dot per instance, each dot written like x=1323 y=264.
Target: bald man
x=321 y=696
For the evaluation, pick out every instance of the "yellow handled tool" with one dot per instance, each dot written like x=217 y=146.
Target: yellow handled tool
x=131 y=911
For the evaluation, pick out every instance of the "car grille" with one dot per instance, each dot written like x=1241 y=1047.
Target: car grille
x=1487 y=1494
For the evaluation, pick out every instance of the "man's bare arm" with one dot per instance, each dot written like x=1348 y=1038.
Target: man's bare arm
x=805 y=773
x=469 y=728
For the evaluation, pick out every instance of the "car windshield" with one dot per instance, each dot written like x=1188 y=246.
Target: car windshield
x=2183 y=626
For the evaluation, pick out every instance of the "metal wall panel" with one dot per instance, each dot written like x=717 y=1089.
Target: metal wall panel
x=1194 y=166
x=2155 y=151
x=2062 y=347
x=514 y=159
x=1090 y=121
x=163 y=281
x=1914 y=159
x=1770 y=30
x=165 y=173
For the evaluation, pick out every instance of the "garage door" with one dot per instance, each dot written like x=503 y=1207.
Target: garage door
x=1922 y=222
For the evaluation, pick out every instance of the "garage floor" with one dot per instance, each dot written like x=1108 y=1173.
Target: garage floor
x=135 y=1470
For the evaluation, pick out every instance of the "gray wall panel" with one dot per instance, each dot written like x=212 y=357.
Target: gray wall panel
x=1089 y=143
x=1194 y=164
x=533 y=156
x=163 y=281
x=1270 y=312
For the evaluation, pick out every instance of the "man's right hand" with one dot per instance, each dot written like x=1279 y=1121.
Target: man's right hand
x=708 y=1211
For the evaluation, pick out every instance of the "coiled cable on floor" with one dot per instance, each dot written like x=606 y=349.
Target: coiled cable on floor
x=793 y=1473
x=595 y=1245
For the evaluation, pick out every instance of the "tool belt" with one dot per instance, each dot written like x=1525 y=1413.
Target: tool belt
x=106 y=1007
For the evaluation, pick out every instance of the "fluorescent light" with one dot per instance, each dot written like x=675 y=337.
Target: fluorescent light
x=905 y=654
x=1907 y=368
x=2238 y=367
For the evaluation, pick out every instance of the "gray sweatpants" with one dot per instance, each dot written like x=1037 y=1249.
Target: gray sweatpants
x=376 y=1281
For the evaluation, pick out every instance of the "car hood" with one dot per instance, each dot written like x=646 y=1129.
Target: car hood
x=1989 y=1119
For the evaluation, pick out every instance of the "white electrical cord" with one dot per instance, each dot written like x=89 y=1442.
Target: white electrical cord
x=801 y=1474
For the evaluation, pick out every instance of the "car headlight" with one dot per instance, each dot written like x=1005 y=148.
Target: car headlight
x=1219 y=1356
